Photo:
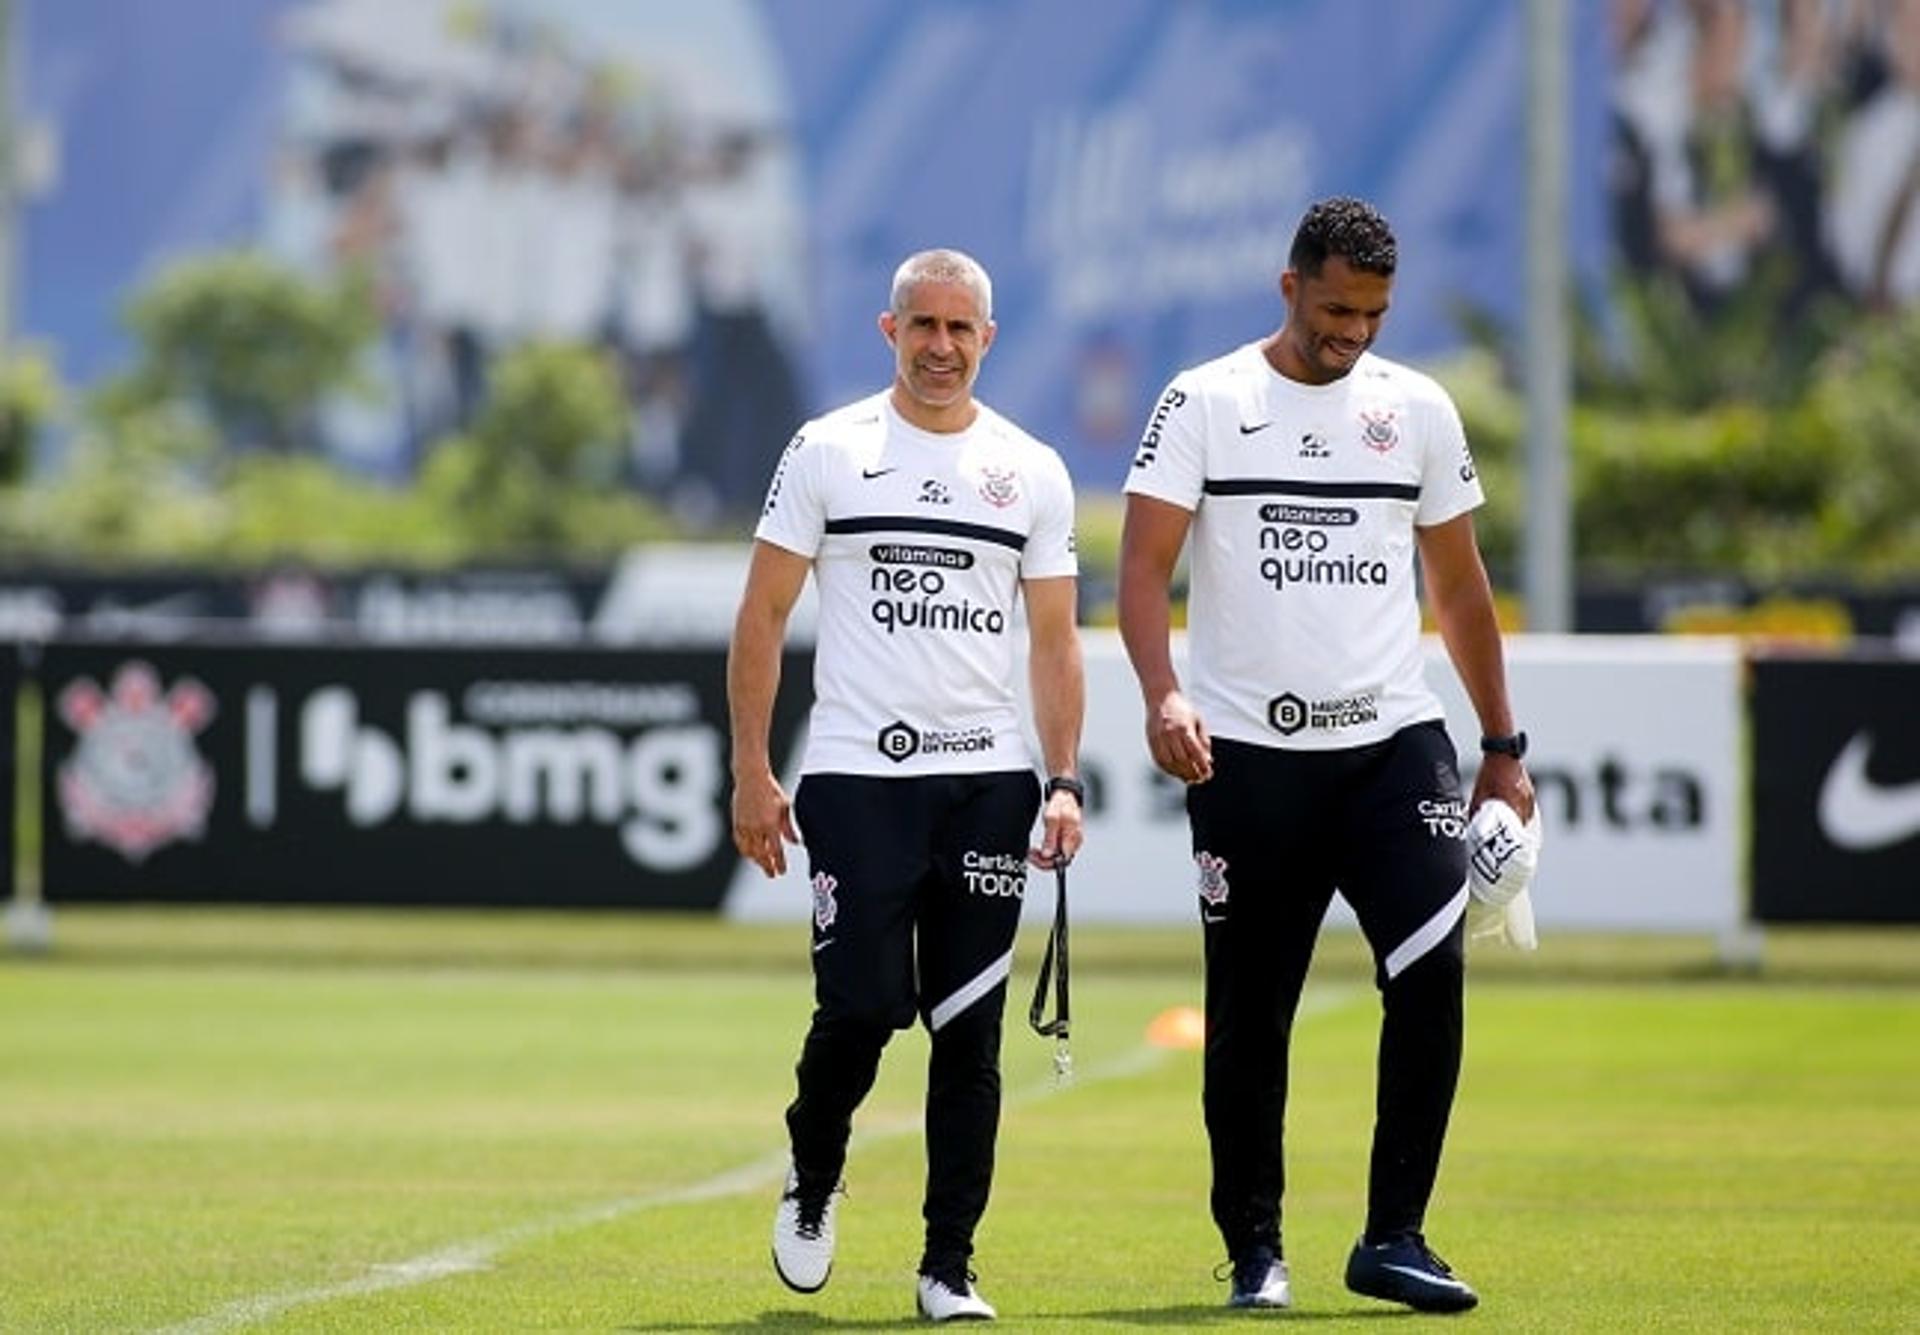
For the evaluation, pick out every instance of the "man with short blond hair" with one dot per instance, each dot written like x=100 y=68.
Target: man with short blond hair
x=924 y=517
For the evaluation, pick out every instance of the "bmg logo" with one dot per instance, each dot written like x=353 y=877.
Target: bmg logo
x=1150 y=442
x=1287 y=714
x=897 y=741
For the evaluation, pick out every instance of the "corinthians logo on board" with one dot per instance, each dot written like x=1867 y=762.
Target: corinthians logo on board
x=136 y=782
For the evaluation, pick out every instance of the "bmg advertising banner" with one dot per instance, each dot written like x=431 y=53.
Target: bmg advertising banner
x=309 y=774
x=1836 y=790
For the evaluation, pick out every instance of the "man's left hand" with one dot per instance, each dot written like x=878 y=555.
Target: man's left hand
x=1060 y=832
x=1506 y=778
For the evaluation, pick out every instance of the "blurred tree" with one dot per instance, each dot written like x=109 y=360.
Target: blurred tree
x=541 y=465
x=30 y=395
x=248 y=343
x=1723 y=440
x=1654 y=347
x=558 y=409
x=198 y=453
x=1862 y=417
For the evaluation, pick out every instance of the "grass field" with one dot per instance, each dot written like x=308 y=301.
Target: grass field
x=310 y=1121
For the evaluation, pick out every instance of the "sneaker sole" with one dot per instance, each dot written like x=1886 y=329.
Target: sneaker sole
x=799 y=1288
x=925 y=1315
x=1434 y=1300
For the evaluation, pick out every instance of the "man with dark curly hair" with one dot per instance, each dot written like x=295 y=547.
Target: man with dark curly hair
x=1310 y=472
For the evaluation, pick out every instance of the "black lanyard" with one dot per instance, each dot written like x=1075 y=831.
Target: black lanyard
x=1059 y=1027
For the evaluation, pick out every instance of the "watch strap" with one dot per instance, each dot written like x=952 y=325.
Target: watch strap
x=1066 y=783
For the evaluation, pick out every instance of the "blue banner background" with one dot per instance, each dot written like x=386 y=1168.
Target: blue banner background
x=1130 y=172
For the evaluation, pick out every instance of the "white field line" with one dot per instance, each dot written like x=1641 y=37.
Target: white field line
x=476 y=1254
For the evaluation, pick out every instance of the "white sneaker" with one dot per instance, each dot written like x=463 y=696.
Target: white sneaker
x=803 y=1237
x=1260 y=1280
x=939 y=1302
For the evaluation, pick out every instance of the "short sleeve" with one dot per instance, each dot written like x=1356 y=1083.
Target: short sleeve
x=1049 y=553
x=795 y=515
x=1449 y=482
x=1170 y=463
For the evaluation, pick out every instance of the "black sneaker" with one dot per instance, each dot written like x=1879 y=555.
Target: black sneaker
x=1259 y=1279
x=1403 y=1269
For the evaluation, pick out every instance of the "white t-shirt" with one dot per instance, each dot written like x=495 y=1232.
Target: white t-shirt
x=1303 y=624
x=919 y=541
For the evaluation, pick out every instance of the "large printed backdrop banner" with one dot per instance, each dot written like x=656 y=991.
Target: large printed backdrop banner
x=391 y=776
x=1836 y=780
x=722 y=190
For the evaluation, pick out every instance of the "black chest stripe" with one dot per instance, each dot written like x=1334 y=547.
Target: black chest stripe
x=1273 y=486
x=951 y=528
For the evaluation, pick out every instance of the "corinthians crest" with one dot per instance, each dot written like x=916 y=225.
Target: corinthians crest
x=1379 y=428
x=825 y=910
x=999 y=487
x=1213 y=877
x=135 y=781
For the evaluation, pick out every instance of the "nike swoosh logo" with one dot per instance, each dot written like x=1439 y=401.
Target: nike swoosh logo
x=1213 y=917
x=871 y=473
x=1425 y=1276
x=1858 y=814
x=1246 y=430
x=819 y=946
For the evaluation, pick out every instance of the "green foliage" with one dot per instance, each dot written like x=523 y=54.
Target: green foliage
x=534 y=476
x=194 y=455
x=556 y=411
x=1863 y=418
x=280 y=508
x=1827 y=481
x=29 y=396
x=1725 y=489
x=247 y=342
x=1732 y=441
x=1666 y=353
x=122 y=495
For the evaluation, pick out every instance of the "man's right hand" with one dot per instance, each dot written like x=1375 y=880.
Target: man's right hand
x=763 y=821
x=1178 y=739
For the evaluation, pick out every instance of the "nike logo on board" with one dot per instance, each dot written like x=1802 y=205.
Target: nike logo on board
x=1246 y=430
x=871 y=473
x=1857 y=813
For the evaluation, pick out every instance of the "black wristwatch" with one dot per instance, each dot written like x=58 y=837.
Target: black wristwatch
x=1514 y=744
x=1066 y=783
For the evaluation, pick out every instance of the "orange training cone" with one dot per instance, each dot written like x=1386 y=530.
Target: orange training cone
x=1182 y=1028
